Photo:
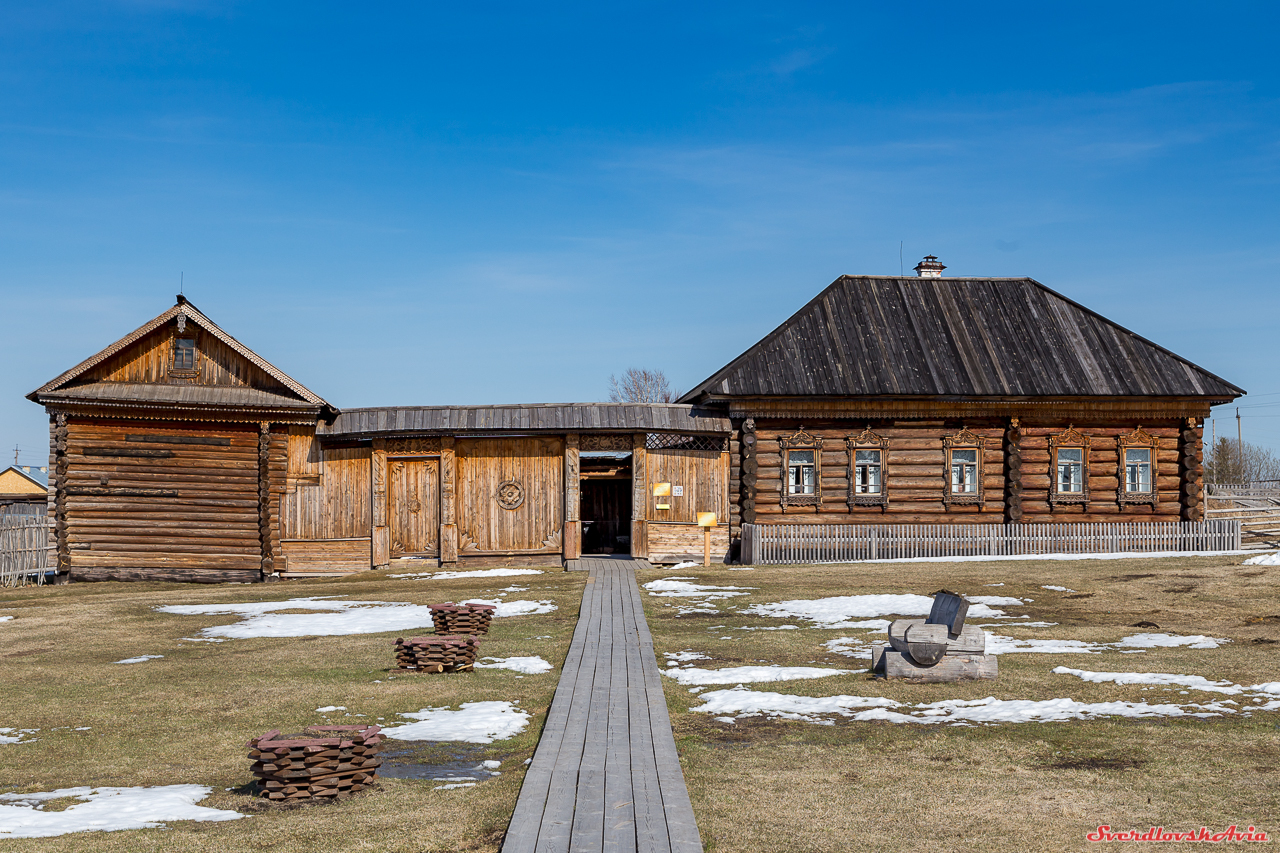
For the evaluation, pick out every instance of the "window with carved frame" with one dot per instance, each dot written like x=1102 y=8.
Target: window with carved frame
x=963 y=485
x=868 y=455
x=801 y=469
x=1136 y=454
x=184 y=357
x=1069 y=460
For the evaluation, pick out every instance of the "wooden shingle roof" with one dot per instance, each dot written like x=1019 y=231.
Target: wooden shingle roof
x=990 y=337
x=541 y=417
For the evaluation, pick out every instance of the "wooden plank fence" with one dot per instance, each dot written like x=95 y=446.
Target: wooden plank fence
x=24 y=550
x=764 y=544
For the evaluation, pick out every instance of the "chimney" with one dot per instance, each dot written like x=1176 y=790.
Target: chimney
x=929 y=267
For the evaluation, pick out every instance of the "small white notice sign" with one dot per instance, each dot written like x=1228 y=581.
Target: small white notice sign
x=677 y=491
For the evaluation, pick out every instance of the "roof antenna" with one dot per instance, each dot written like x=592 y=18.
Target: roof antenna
x=181 y=279
x=902 y=270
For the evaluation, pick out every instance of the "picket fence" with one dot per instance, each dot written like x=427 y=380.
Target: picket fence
x=764 y=544
x=24 y=550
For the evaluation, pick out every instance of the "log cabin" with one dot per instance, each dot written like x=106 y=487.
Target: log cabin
x=178 y=453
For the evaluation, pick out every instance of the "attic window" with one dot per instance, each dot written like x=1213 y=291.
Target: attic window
x=184 y=355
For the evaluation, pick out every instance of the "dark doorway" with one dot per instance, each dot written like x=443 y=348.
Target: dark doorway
x=606 y=502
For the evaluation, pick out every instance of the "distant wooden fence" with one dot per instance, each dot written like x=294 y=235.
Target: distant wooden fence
x=24 y=549
x=764 y=544
x=1257 y=489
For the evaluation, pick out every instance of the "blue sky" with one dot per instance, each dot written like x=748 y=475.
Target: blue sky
x=432 y=203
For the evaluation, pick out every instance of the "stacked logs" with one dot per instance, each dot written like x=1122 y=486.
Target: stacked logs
x=436 y=654
x=311 y=766
x=450 y=618
x=1013 y=478
x=1192 y=462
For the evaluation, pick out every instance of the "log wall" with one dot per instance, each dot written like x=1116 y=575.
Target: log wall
x=1016 y=474
x=141 y=502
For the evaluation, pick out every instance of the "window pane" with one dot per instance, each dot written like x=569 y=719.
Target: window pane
x=964 y=455
x=1071 y=469
x=800 y=456
x=1137 y=469
x=184 y=354
x=801 y=474
x=870 y=457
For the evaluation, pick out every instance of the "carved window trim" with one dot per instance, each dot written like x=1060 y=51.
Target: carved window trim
x=801 y=440
x=1139 y=438
x=868 y=440
x=1069 y=440
x=964 y=440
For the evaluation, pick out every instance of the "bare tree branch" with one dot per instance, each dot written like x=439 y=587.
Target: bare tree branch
x=639 y=385
x=1229 y=462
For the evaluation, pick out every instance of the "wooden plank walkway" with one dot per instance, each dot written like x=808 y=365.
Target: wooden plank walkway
x=605 y=776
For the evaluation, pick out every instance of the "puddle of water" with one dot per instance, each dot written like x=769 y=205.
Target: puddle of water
x=403 y=764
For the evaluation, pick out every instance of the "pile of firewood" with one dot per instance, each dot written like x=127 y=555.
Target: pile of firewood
x=436 y=654
x=314 y=766
x=450 y=618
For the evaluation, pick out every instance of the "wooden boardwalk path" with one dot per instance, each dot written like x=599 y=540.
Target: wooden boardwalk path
x=605 y=776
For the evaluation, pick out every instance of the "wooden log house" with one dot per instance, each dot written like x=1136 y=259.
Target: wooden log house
x=177 y=453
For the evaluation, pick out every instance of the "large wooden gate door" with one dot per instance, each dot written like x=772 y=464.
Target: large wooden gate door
x=510 y=496
x=413 y=506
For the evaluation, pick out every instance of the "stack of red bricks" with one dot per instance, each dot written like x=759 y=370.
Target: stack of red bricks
x=437 y=654
x=316 y=764
x=450 y=618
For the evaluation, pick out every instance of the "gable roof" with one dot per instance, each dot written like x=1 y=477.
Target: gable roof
x=195 y=394
x=1000 y=337
x=13 y=480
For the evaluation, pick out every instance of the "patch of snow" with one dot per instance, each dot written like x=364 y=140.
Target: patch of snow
x=16 y=735
x=140 y=659
x=836 y=612
x=1195 y=682
x=996 y=600
x=748 y=674
x=504 y=609
x=850 y=647
x=774 y=628
x=1264 y=560
x=1058 y=588
x=528 y=665
x=514 y=588
x=994 y=584
x=491 y=764
x=1001 y=645
x=1018 y=625
x=105 y=810
x=683 y=657
x=484 y=573
x=474 y=722
x=1168 y=641
x=685 y=565
x=681 y=588
x=812 y=709
x=328 y=709
x=5 y=618
x=453 y=785
x=1272 y=687
x=742 y=568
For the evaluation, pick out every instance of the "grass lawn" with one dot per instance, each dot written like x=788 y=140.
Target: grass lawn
x=767 y=784
x=184 y=719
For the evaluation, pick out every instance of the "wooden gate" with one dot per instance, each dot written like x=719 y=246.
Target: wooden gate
x=510 y=496
x=413 y=506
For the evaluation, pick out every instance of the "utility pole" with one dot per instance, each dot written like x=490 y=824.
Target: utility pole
x=1239 y=446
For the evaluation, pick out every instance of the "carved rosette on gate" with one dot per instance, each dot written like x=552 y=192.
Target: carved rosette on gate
x=509 y=495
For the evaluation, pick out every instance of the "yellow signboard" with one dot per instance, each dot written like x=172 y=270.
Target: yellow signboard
x=661 y=489
x=706 y=519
